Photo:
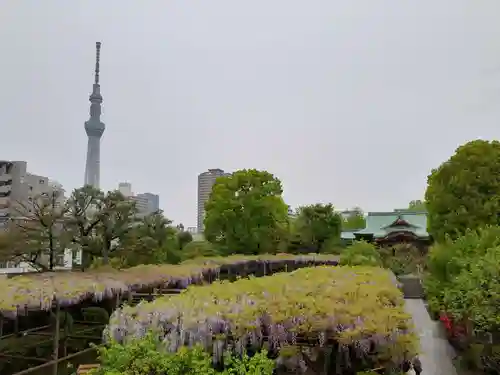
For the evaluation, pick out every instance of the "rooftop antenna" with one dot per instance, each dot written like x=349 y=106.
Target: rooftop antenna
x=97 y=58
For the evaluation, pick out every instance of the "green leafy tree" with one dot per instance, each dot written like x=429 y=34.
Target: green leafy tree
x=152 y=240
x=98 y=222
x=183 y=238
x=246 y=213
x=316 y=224
x=473 y=295
x=356 y=220
x=116 y=219
x=361 y=253
x=417 y=205
x=37 y=233
x=82 y=220
x=450 y=258
x=13 y=249
x=464 y=191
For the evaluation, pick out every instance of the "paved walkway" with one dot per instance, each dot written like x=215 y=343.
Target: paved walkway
x=436 y=354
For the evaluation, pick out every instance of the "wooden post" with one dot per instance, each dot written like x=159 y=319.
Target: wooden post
x=55 y=355
x=16 y=322
x=1 y=325
x=66 y=334
x=130 y=296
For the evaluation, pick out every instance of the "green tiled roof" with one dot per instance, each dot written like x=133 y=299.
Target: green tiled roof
x=379 y=223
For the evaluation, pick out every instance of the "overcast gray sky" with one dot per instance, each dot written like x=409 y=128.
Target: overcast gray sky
x=349 y=102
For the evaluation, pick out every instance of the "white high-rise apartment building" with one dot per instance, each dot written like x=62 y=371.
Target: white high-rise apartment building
x=206 y=181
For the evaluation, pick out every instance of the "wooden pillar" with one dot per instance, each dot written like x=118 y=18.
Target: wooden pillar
x=66 y=334
x=55 y=355
x=16 y=321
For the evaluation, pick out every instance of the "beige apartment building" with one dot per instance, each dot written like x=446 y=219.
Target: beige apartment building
x=18 y=187
x=206 y=181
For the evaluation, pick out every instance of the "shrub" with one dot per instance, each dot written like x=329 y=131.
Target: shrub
x=474 y=294
x=144 y=356
x=403 y=259
x=447 y=260
x=361 y=253
x=199 y=249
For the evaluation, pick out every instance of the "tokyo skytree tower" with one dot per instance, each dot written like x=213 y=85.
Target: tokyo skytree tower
x=94 y=128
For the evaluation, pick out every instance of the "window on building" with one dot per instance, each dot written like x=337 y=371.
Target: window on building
x=41 y=182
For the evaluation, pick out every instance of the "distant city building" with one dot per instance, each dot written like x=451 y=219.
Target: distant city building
x=18 y=190
x=125 y=188
x=191 y=230
x=206 y=181
x=146 y=203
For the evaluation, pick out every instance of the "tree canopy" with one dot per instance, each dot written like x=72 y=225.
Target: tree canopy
x=36 y=235
x=246 y=213
x=417 y=205
x=316 y=224
x=355 y=220
x=463 y=192
x=105 y=227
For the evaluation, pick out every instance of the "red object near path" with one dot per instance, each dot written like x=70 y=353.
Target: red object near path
x=446 y=321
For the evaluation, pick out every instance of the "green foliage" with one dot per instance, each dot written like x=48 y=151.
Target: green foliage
x=259 y=364
x=144 y=357
x=475 y=293
x=361 y=253
x=333 y=246
x=403 y=259
x=96 y=221
x=183 y=238
x=245 y=213
x=116 y=216
x=152 y=240
x=463 y=193
x=199 y=249
x=316 y=224
x=417 y=205
x=95 y=314
x=355 y=221
x=462 y=277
